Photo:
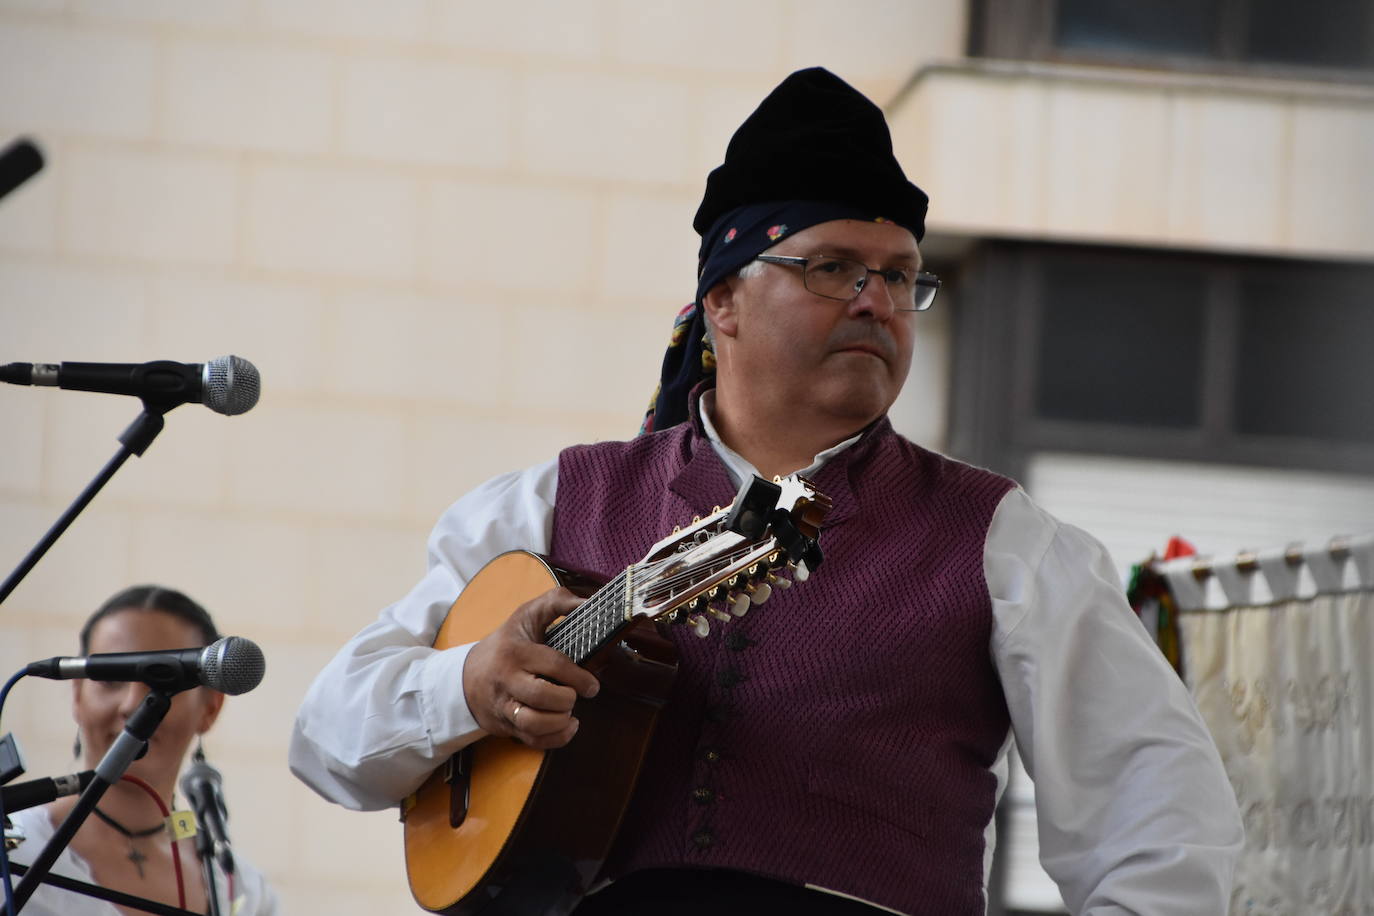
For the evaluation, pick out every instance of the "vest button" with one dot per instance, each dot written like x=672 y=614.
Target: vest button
x=711 y=755
x=728 y=677
x=703 y=839
x=703 y=795
x=737 y=641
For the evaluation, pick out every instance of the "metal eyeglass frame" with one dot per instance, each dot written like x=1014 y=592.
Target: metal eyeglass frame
x=928 y=280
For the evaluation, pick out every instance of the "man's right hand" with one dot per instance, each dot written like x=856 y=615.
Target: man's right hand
x=516 y=685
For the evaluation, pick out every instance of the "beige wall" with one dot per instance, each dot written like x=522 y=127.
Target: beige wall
x=1144 y=158
x=451 y=235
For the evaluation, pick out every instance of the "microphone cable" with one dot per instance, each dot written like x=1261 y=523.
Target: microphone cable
x=4 y=853
x=166 y=817
x=5 y=691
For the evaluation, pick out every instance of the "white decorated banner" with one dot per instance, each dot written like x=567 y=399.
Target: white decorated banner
x=1277 y=653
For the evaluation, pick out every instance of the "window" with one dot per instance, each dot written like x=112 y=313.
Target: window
x=1250 y=361
x=1084 y=371
x=1324 y=33
x=1130 y=26
x=1304 y=366
x=1313 y=36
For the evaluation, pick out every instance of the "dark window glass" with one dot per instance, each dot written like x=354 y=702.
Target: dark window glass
x=1160 y=26
x=1306 y=355
x=1324 y=33
x=1121 y=342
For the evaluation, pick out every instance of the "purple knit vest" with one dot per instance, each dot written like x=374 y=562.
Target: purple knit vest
x=841 y=734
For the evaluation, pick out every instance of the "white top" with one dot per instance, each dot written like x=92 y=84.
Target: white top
x=252 y=894
x=1135 y=811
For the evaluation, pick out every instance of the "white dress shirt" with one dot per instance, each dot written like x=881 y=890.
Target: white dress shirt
x=1135 y=812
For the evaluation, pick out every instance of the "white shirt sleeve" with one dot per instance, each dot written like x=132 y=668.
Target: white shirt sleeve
x=1135 y=812
x=389 y=708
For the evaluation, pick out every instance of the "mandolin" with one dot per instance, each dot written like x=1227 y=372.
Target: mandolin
x=503 y=828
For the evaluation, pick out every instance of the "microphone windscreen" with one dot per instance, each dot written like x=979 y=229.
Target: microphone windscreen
x=232 y=665
x=197 y=778
x=230 y=385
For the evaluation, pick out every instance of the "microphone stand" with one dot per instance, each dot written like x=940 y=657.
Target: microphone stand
x=127 y=748
x=104 y=893
x=207 y=866
x=205 y=847
x=133 y=441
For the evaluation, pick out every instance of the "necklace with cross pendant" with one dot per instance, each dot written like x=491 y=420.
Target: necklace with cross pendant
x=137 y=857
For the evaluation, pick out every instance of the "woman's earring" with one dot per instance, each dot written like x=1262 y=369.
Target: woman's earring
x=76 y=746
x=198 y=755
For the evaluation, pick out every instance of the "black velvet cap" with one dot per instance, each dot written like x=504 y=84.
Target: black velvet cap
x=815 y=137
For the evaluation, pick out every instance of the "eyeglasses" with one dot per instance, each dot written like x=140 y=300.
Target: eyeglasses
x=910 y=290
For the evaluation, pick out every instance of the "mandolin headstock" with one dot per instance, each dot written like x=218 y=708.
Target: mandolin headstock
x=721 y=565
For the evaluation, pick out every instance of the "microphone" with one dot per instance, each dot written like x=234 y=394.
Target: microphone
x=231 y=665
x=19 y=162
x=204 y=788
x=229 y=385
x=23 y=795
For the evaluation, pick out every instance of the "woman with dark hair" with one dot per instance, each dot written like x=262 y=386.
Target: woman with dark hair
x=126 y=845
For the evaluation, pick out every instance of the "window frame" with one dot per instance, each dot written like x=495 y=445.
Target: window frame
x=997 y=328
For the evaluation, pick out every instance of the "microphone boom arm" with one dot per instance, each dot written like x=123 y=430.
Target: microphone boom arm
x=124 y=751
x=133 y=441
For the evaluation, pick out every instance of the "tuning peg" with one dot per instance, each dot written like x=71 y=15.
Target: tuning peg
x=700 y=625
x=779 y=581
x=718 y=614
x=740 y=606
x=760 y=593
x=801 y=573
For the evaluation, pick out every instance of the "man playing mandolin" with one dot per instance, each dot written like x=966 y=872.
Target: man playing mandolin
x=842 y=749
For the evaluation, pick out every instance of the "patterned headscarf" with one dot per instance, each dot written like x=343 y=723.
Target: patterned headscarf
x=736 y=239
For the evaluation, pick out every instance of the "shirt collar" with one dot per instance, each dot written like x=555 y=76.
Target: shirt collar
x=738 y=466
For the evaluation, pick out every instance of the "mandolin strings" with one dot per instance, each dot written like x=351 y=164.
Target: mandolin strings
x=587 y=627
